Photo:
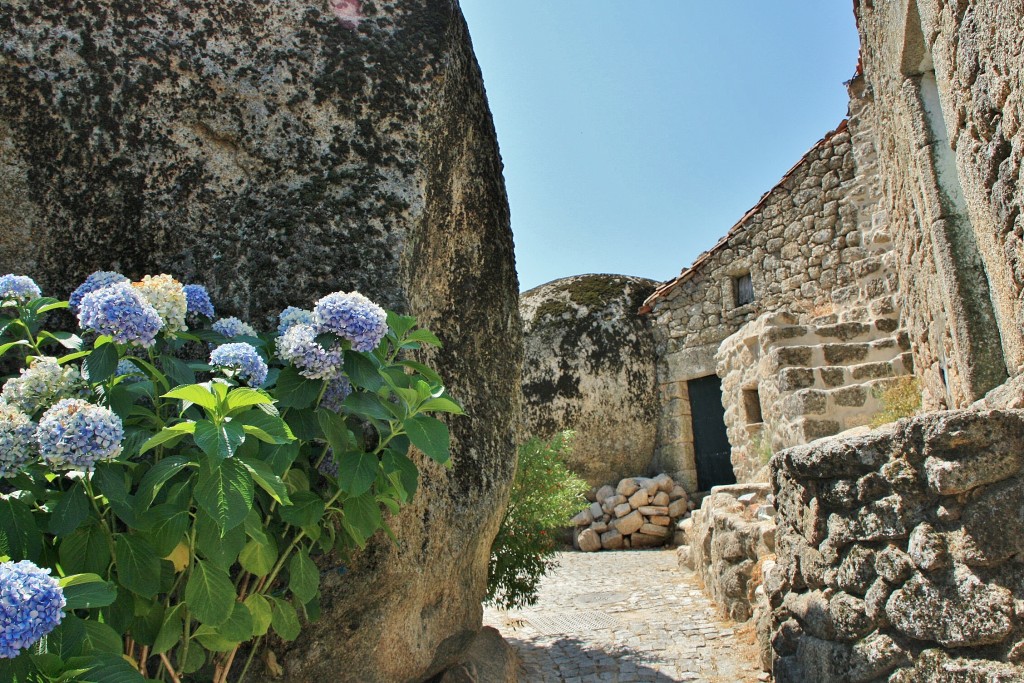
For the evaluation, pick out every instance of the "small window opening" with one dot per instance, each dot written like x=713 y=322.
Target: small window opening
x=752 y=406
x=744 y=289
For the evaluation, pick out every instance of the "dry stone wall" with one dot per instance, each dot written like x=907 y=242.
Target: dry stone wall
x=277 y=151
x=947 y=79
x=638 y=512
x=589 y=366
x=901 y=553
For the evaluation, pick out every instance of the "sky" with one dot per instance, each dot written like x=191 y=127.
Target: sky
x=635 y=134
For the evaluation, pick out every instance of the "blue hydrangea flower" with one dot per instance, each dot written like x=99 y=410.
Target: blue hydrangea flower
x=122 y=313
x=233 y=327
x=338 y=388
x=328 y=466
x=353 y=317
x=42 y=384
x=75 y=435
x=130 y=371
x=31 y=605
x=298 y=346
x=293 y=316
x=243 y=359
x=18 y=289
x=17 y=441
x=198 y=300
x=98 y=280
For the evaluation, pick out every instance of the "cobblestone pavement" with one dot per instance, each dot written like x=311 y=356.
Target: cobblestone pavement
x=625 y=617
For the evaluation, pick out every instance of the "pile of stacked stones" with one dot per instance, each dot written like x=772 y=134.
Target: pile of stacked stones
x=638 y=513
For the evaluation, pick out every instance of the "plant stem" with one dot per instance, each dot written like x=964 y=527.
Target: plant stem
x=248 y=660
x=169 y=668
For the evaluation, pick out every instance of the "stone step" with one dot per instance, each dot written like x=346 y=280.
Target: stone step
x=851 y=405
x=836 y=376
x=842 y=354
x=829 y=332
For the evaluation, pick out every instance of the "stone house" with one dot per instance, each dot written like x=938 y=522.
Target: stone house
x=893 y=247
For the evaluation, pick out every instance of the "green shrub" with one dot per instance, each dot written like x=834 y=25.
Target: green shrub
x=545 y=495
x=900 y=399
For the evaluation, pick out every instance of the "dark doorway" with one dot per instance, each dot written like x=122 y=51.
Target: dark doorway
x=710 y=442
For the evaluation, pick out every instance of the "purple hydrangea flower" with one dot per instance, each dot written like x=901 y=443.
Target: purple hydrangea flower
x=353 y=317
x=17 y=441
x=293 y=316
x=122 y=313
x=243 y=359
x=298 y=346
x=75 y=435
x=198 y=300
x=31 y=605
x=338 y=388
x=328 y=466
x=18 y=289
x=98 y=280
x=233 y=327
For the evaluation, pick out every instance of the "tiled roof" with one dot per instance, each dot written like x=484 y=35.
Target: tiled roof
x=688 y=273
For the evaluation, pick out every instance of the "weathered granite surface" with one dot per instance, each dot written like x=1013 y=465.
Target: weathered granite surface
x=277 y=151
x=900 y=553
x=589 y=366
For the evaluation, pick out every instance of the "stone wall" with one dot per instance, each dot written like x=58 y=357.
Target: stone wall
x=947 y=79
x=278 y=151
x=901 y=553
x=816 y=248
x=589 y=366
x=727 y=542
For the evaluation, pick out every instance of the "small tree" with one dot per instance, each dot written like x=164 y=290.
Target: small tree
x=545 y=495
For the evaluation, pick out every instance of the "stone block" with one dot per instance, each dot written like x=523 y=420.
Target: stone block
x=677 y=492
x=583 y=518
x=792 y=356
x=677 y=508
x=660 y=521
x=596 y=511
x=599 y=527
x=604 y=493
x=589 y=541
x=641 y=540
x=832 y=376
x=627 y=487
x=866 y=371
x=661 y=498
x=623 y=510
x=844 y=354
x=639 y=498
x=611 y=540
x=651 y=510
x=665 y=482
x=854 y=396
x=652 y=486
x=629 y=523
x=654 y=530
x=791 y=379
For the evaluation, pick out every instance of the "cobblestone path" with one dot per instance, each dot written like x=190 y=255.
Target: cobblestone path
x=625 y=617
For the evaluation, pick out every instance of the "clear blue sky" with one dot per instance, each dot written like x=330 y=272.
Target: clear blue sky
x=634 y=134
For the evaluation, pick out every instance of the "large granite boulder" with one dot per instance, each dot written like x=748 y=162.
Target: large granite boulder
x=277 y=151
x=589 y=366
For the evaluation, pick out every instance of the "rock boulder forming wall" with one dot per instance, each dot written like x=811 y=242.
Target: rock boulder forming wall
x=278 y=151
x=589 y=366
x=900 y=553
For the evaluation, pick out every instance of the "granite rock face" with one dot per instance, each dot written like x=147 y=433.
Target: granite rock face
x=278 y=151
x=899 y=553
x=589 y=366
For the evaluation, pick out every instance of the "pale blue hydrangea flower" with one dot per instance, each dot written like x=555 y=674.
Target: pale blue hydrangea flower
x=353 y=317
x=198 y=300
x=338 y=388
x=17 y=441
x=130 y=371
x=328 y=466
x=98 y=280
x=17 y=290
x=42 y=384
x=122 y=313
x=293 y=316
x=298 y=346
x=31 y=605
x=243 y=359
x=75 y=435
x=233 y=327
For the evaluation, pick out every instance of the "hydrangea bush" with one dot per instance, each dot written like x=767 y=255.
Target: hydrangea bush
x=158 y=515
